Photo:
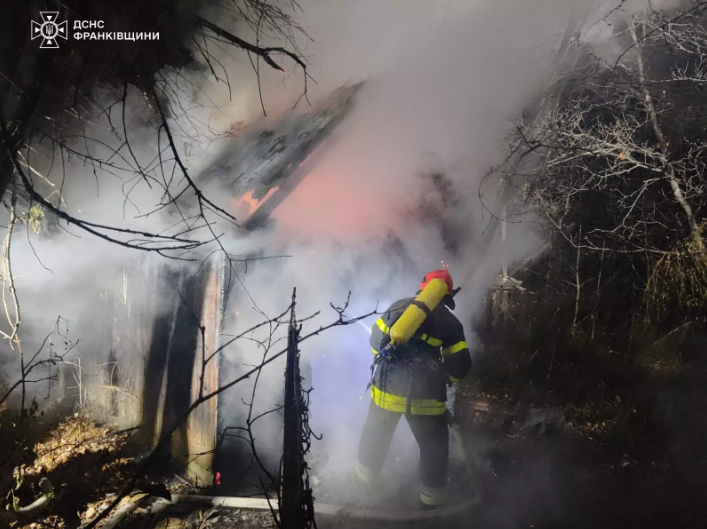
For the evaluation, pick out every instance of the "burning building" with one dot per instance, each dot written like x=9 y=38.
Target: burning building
x=161 y=350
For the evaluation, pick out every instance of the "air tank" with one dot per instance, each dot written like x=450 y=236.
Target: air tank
x=414 y=316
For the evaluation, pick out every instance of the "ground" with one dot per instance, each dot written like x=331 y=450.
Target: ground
x=570 y=479
x=540 y=477
x=87 y=464
x=84 y=461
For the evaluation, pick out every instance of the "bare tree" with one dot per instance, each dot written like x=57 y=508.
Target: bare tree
x=47 y=127
x=618 y=171
x=72 y=108
x=49 y=355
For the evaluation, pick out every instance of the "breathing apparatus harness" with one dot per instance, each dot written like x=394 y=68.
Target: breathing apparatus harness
x=396 y=348
x=398 y=354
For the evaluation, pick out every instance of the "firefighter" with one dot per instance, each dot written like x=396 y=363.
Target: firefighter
x=414 y=383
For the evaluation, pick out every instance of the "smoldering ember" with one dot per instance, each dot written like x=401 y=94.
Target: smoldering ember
x=243 y=238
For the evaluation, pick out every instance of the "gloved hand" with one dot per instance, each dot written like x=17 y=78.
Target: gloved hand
x=389 y=351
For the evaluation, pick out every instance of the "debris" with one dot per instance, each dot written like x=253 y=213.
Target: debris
x=479 y=405
x=171 y=523
x=47 y=489
x=536 y=421
x=72 y=438
x=119 y=515
x=508 y=283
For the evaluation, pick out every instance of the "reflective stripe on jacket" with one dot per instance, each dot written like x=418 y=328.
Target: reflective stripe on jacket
x=438 y=355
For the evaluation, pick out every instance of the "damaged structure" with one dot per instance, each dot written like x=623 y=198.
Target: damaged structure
x=158 y=360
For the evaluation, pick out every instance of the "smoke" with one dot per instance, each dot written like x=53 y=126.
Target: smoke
x=443 y=81
x=64 y=271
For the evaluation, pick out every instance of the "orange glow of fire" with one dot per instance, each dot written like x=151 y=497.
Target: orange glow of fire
x=250 y=205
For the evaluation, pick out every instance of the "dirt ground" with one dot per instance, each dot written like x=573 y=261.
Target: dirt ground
x=84 y=462
x=87 y=464
x=566 y=479
x=542 y=479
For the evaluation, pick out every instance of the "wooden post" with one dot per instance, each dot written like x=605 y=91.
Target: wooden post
x=201 y=424
x=291 y=496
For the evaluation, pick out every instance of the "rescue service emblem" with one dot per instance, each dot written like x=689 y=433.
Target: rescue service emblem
x=49 y=30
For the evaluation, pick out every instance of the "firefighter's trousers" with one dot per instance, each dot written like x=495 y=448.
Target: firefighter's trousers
x=432 y=435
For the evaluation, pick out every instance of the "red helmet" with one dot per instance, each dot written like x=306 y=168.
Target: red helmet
x=438 y=274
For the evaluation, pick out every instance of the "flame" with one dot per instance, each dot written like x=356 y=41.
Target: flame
x=338 y=205
x=248 y=201
x=249 y=205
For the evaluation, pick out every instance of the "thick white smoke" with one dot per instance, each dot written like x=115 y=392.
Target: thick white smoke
x=444 y=79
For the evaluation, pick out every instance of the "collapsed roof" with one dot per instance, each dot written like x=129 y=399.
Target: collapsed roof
x=262 y=167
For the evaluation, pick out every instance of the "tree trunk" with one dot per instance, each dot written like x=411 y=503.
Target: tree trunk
x=674 y=183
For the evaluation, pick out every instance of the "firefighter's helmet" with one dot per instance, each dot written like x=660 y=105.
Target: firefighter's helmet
x=444 y=275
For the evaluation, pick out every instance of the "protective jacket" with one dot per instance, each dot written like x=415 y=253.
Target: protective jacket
x=436 y=356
